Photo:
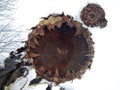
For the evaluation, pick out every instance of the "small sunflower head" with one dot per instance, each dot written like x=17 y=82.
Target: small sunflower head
x=93 y=15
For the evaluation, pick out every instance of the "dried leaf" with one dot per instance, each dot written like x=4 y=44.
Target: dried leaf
x=35 y=81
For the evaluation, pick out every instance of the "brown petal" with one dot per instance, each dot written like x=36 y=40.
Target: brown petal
x=41 y=32
x=65 y=18
x=27 y=56
x=78 y=28
x=32 y=45
x=36 y=41
x=41 y=69
x=58 y=24
x=78 y=75
x=33 y=54
x=56 y=73
x=67 y=74
x=49 y=73
x=33 y=32
x=71 y=23
x=50 y=26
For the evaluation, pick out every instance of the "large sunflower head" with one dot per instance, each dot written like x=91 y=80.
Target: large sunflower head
x=60 y=48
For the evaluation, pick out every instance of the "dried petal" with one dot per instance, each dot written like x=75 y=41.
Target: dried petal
x=36 y=41
x=56 y=73
x=58 y=24
x=68 y=74
x=49 y=73
x=33 y=55
x=41 y=69
x=50 y=26
x=41 y=32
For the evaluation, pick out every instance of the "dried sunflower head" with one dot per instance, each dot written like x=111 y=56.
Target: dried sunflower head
x=60 y=48
x=93 y=15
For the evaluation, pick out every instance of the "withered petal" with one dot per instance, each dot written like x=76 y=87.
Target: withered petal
x=31 y=54
x=56 y=73
x=40 y=32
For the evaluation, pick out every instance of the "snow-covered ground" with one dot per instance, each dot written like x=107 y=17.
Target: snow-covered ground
x=105 y=70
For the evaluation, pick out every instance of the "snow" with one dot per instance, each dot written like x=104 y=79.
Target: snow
x=104 y=73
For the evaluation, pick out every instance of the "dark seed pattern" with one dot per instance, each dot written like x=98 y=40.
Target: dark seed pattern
x=93 y=15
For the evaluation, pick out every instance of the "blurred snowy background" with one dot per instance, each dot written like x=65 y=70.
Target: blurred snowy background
x=18 y=16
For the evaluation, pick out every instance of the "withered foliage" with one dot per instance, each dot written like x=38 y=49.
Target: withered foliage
x=93 y=15
x=35 y=81
x=14 y=68
x=60 y=48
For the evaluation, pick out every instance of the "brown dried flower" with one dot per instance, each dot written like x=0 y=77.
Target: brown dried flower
x=60 y=48
x=93 y=15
